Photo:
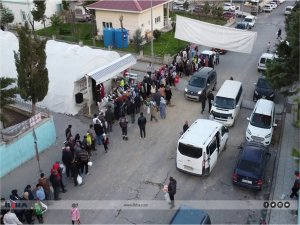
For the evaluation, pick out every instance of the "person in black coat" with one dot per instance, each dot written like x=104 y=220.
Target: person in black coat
x=109 y=117
x=55 y=182
x=16 y=198
x=203 y=102
x=142 y=124
x=210 y=99
x=168 y=95
x=137 y=103
x=99 y=130
x=67 y=157
x=131 y=110
x=172 y=190
x=28 y=189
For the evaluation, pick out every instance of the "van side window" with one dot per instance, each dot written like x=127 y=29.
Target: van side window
x=212 y=146
x=238 y=96
x=208 y=80
x=223 y=131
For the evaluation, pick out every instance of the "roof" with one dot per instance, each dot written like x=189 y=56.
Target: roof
x=229 y=89
x=188 y=215
x=253 y=151
x=208 y=52
x=126 y=5
x=203 y=72
x=199 y=132
x=268 y=55
x=264 y=107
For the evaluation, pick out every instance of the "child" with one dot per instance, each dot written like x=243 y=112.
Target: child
x=75 y=215
x=38 y=210
x=105 y=142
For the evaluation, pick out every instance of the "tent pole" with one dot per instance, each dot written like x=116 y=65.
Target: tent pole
x=89 y=95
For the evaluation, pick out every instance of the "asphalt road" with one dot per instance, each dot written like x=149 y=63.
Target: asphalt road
x=136 y=170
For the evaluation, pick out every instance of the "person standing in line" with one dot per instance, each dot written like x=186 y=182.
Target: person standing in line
x=84 y=159
x=279 y=34
x=168 y=95
x=66 y=158
x=142 y=125
x=172 y=191
x=105 y=142
x=68 y=132
x=38 y=210
x=162 y=108
x=109 y=117
x=217 y=57
x=203 y=102
x=92 y=133
x=131 y=110
x=40 y=193
x=75 y=214
x=153 y=110
x=99 y=130
x=185 y=126
x=210 y=99
x=123 y=124
x=45 y=184
x=296 y=185
x=55 y=184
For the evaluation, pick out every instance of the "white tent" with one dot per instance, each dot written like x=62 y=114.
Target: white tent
x=66 y=63
x=215 y=36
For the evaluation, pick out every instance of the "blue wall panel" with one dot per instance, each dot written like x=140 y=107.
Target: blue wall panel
x=21 y=149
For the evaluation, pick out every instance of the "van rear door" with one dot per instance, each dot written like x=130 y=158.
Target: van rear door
x=212 y=153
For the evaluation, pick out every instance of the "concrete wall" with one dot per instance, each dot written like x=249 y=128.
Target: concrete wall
x=21 y=149
x=131 y=21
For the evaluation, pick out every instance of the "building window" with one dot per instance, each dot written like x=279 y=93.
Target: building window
x=157 y=19
x=107 y=24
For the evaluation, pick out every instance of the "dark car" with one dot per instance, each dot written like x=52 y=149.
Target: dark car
x=202 y=81
x=242 y=26
x=251 y=165
x=220 y=50
x=263 y=89
x=188 y=215
x=228 y=15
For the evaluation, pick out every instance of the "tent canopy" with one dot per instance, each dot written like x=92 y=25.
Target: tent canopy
x=112 y=69
x=214 y=36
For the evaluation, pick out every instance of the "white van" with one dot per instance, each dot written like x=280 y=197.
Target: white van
x=199 y=147
x=263 y=60
x=261 y=122
x=209 y=54
x=288 y=10
x=228 y=102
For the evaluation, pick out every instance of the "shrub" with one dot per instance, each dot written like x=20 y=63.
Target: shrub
x=156 y=34
x=137 y=39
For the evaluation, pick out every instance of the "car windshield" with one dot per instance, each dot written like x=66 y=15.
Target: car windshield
x=248 y=20
x=240 y=26
x=247 y=165
x=263 y=60
x=197 y=81
x=224 y=103
x=263 y=83
x=190 y=150
x=261 y=121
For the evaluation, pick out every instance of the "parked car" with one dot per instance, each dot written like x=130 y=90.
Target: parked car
x=288 y=10
x=242 y=26
x=241 y=13
x=261 y=122
x=228 y=15
x=268 y=8
x=250 y=168
x=188 y=215
x=250 y=20
x=220 y=50
x=200 y=83
x=262 y=62
x=228 y=7
x=273 y=4
x=263 y=89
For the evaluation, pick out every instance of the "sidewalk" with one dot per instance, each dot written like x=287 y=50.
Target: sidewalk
x=286 y=165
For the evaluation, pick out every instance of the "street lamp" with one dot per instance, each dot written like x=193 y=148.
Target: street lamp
x=152 y=54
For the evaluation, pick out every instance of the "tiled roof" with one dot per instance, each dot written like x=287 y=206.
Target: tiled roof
x=126 y=5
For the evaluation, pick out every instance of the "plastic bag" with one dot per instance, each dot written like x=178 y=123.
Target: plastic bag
x=148 y=110
x=63 y=168
x=167 y=197
x=90 y=163
x=79 y=179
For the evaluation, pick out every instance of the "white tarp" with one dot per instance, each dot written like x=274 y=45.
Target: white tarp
x=215 y=36
x=66 y=63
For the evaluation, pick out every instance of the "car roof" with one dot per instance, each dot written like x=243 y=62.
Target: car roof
x=199 y=132
x=208 y=52
x=268 y=55
x=249 y=17
x=203 y=72
x=253 y=151
x=268 y=5
x=289 y=7
x=229 y=89
x=188 y=215
x=264 y=107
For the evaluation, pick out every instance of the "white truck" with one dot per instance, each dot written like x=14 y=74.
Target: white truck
x=241 y=13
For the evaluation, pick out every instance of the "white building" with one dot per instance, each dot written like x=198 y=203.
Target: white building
x=22 y=9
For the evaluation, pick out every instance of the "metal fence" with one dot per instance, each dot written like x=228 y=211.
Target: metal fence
x=11 y=132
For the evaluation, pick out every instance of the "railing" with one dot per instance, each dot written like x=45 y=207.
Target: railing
x=13 y=131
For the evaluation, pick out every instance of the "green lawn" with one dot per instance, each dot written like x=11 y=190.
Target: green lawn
x=165 y=44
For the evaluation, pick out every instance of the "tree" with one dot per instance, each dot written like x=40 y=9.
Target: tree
x=31 y=66
x=186 y=5
x=6 y=16
x=38 y=13
x=283 y=71
x=55 y=22
x=7 y=94
x=206 y=8
x=137 y=39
